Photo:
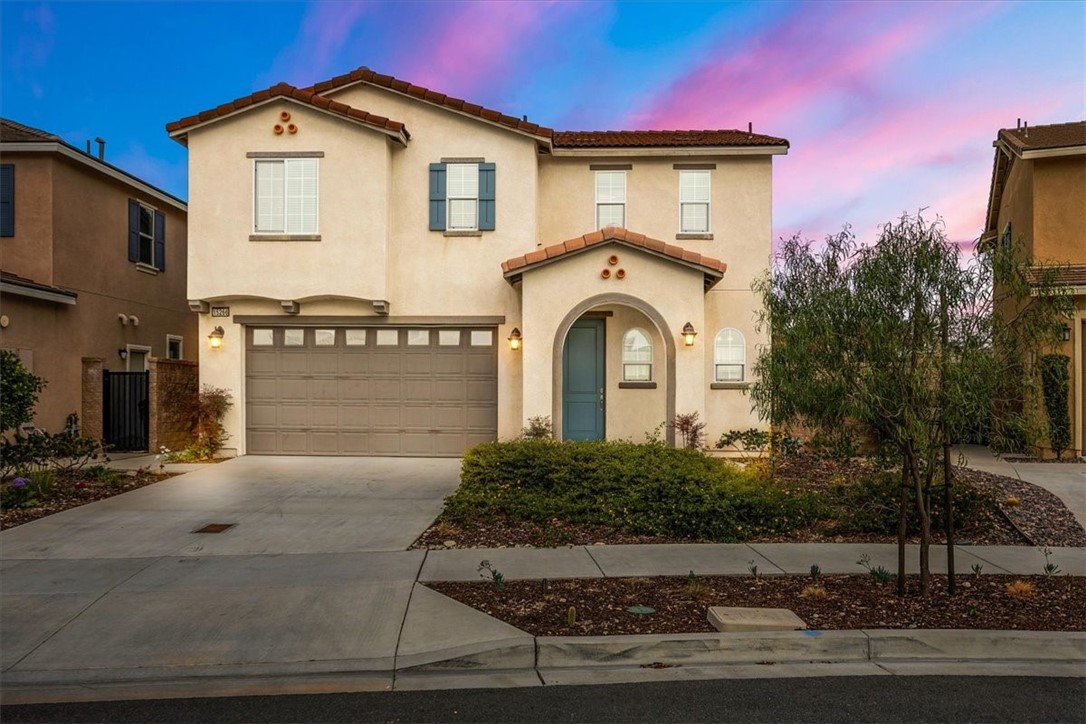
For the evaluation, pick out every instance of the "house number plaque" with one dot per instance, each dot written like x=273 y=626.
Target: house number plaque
x=220 y=311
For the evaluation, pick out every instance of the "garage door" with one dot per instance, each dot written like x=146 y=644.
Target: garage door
x=374 y=391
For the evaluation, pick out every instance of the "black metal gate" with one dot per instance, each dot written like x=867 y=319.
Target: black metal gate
x=124 y=410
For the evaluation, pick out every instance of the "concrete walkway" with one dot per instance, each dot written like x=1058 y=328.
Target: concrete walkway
x=1065 y=480
x=311 y=589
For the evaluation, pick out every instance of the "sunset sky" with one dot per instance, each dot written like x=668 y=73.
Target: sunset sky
x=889 y=106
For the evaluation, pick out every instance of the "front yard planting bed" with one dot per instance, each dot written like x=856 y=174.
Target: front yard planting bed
x=72 y=489
x=850 y=602
x=542 y=493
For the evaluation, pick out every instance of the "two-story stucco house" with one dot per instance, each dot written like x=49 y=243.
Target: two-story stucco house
x=1037 y=205
x=385 y=270
x=92 y=277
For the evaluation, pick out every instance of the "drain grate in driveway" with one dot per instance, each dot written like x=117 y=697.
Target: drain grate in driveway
x=215 y=528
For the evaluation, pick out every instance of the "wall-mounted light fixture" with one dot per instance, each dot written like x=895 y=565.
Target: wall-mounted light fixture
x=514 y=339
x=215 y=338
x=689 y=334
x=1066 y=333
x=123 y=353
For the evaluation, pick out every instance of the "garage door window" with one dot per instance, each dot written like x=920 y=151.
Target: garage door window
x=263 y=338
x=325 y=337
x=418 y=338
x=448 y=337
x=388 y=337
x=482 y=337
x=356 y=337
x=293 y=337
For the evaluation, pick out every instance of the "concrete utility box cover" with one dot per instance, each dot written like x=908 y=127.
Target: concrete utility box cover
x=727 y=618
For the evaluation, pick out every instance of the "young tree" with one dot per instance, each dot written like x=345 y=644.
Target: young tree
x=903 y=340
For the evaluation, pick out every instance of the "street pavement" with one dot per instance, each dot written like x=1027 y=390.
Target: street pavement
x=312 y=589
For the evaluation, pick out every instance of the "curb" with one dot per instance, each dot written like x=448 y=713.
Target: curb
x=875 y=645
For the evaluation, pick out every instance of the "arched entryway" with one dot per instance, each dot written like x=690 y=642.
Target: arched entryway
x=582 y=354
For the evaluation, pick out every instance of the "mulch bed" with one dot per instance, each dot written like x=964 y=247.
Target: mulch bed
x=1026 y=515
x=850 y=602
x=72 y=490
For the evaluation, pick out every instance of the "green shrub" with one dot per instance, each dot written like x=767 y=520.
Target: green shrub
x=61 y=452
x=539 y=428
x=207 y=414
x=1055 y=381
x=19 y=389
x=870 y=505
x=638 y=489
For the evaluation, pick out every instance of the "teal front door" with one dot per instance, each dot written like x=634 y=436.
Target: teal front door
x=582 y=381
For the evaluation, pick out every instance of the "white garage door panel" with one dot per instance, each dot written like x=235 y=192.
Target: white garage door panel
x=420 y=400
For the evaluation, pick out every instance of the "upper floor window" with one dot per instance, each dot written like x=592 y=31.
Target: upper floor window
x=610 y=198
x=286 y=196
x=694 y=202
x=729 y=356
x=636 y=356
x=462 y=196
x=7 y=199
x=1005 y=237
x=146 y=235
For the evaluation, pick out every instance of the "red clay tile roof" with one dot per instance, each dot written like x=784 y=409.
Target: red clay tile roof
x=18 y=133
x=1070 y=275
x=285 y=90
x=365 y=75
x=638 y=139
x=1036 y=138
x=713 y=268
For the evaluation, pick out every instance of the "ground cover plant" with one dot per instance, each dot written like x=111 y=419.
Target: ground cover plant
x=638 y=490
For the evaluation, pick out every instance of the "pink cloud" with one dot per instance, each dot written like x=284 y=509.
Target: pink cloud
x=326 y=29
x=476 y=45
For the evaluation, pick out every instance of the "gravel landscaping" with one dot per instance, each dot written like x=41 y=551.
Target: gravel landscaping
x=76 y=488
x=1033 y=603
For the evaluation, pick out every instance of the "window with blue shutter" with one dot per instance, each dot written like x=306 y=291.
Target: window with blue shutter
x=7 y=199
x=146 y=235
x=462 y=196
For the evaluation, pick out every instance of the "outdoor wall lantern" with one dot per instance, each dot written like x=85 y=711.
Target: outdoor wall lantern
x=514 y=339
x=689 y=334
x=215 y=338
x=1066 y=333
x=123 y=353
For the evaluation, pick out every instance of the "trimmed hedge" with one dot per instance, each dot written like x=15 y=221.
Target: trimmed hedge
x=638 y=489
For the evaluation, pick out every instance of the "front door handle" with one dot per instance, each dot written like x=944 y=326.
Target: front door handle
x=601 y=398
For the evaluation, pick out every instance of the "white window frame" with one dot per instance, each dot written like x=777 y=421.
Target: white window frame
x=718 y=361
x=472 y=170
x=287 y=163
x=707 y=203
x=180 y=346
x=129 y=349
x=148 y=237
x=628 y=362
x=623 y=203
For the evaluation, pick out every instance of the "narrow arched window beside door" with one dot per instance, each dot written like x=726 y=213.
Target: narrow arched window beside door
x=729 y=356
x=636 y=356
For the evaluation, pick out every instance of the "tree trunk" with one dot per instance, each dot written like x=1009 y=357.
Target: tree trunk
x=925 y=522
x=948 y=487
x=902 y=524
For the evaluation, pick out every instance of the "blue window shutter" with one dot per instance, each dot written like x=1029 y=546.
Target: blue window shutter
x=486 y=197
x=437 y=197
x=160 y=241
x=7 y=200
x=133 y=230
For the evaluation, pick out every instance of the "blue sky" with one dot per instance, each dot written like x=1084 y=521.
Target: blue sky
x=889 y=106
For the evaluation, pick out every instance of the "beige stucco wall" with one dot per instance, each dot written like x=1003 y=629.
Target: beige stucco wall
x=71 y=231
x=1016 y=204
x=630 y=413
x=352 y=217
x=1059 y=209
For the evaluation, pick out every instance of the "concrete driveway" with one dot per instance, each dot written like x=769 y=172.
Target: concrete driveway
x=314 y=571
x=275 y=505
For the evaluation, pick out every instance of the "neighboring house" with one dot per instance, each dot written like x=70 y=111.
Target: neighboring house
x=385 y=270
x=93 y=267
x=1038 y=201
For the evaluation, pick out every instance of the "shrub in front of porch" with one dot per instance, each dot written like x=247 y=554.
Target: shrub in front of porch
x=637 y=489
